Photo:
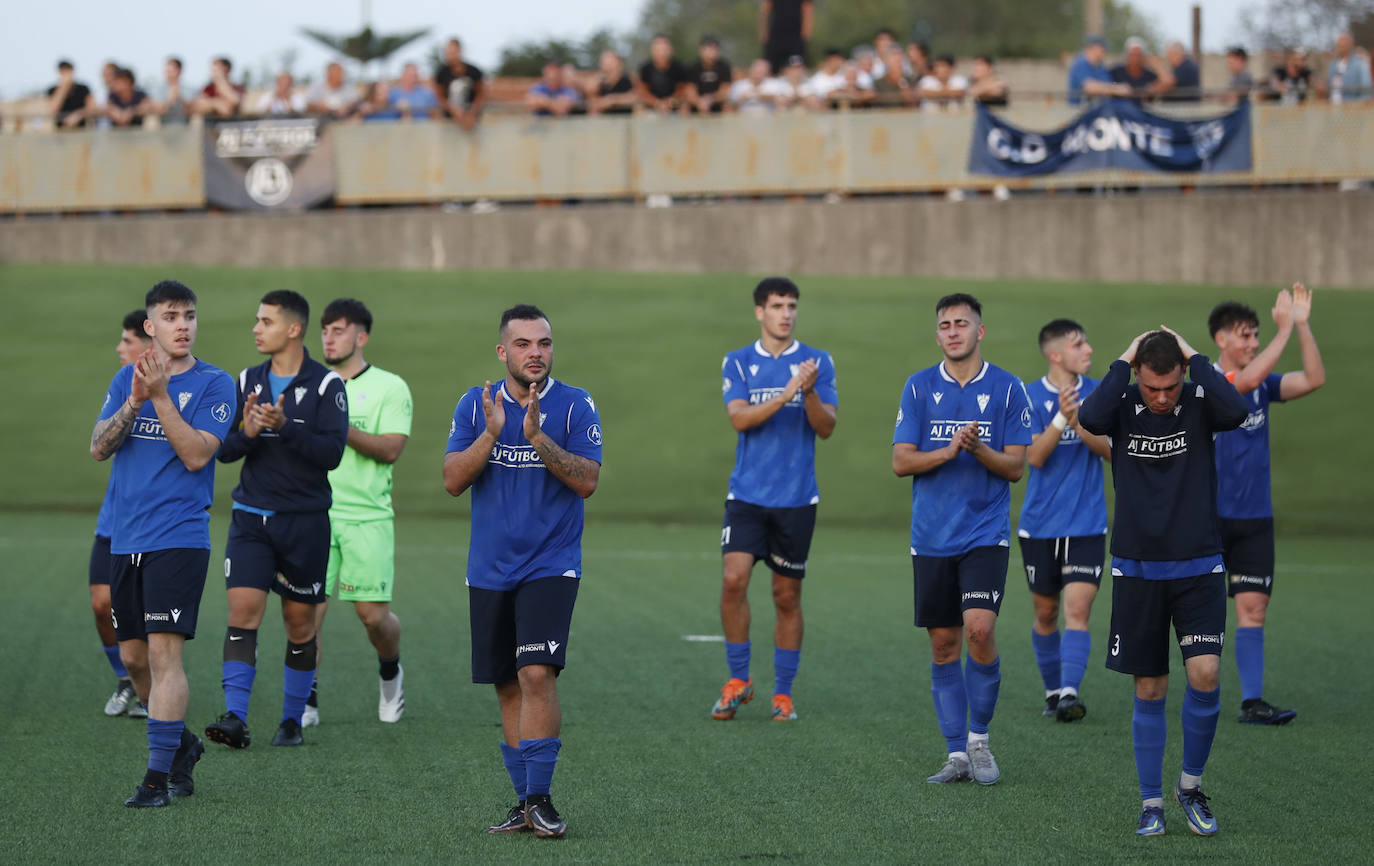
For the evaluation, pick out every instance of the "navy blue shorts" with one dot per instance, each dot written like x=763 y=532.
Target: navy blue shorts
x=158 y=591
x=527 y=625
x=1142 y=611
x=100 y=560
x=946 y=586
x=1248 y=551
x=781 y=536
x=287 y=553
x=1052 y=562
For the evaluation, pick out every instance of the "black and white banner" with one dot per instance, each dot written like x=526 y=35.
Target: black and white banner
x=277 y=164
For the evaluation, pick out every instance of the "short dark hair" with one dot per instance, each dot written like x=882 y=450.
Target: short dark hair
x=454 y=40
x=175 y=61
x=521 y=313
x=658 y=36
x=293 y=302
x=959 y=299
x=945 y=58
x=986 y=58
x=351 y=310
x=1238 y=51
x=832 y=51
x=709 y=39
x=169 y=292
x=64 y=64
x=124 y=72
x=1228 y=314
x=1057 y=329
x=228 y=64
x=780 y=286
x=885 y=31
x=133 y=321
x=1159 y=351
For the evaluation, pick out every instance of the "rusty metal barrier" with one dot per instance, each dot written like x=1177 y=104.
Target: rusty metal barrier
x=515 y=158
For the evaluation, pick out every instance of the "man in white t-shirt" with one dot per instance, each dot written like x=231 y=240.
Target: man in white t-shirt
x=333 y=96
x=282 y=99
x=792 y=87
x=942 y=87
x=748 y=95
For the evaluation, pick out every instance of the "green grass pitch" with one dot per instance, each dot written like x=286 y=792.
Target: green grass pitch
x=645 y=775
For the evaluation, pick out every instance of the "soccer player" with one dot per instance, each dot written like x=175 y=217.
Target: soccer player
x=133 y=342
x=1166 y=552
x=163 y=418
x=1063 y=526
x=1243 y=499
x=779 y=395
x=530 y=449
x=962 y=431
x=362 y=550
x=290 y=429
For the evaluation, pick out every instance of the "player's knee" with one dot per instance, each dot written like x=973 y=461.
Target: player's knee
x=734 y=583
x=787 y=596
x=536 y=677
x=101 y=608
x=1151 y=688
x=135 y=660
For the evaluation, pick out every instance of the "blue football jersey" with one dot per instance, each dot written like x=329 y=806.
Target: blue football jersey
x=961 y=505
x=105 y=520
x=1064 y=497
x=1243 y=457
x=158 y=504
x=775 y=462
x=526 y=524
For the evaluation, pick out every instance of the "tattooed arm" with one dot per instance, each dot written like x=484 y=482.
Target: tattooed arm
x=109 y=433
x=579 y=473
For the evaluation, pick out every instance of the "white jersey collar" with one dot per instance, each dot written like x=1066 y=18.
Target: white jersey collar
x=944 y=374
x=548 y=384
x=1049 y=386
x=758 y=347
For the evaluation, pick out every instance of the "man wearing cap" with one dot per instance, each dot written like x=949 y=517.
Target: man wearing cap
x=1088 y=75
x=1143 y=75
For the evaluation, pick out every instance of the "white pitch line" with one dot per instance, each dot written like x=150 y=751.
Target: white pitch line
x=704 y=638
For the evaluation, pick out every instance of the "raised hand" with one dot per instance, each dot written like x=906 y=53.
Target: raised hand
x=1283 y=308
x=152 y=374
x=252 y=426
x=1129 y=355
x=1302 y=304
x=809 y=371
x=139 y=387
x=1068 y=404
x=495 y=412
x=1188 y=351
x=271 y=416
x=968 y=437
x=532 y=429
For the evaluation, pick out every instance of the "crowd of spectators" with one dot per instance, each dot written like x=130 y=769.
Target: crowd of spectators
x=884 y=74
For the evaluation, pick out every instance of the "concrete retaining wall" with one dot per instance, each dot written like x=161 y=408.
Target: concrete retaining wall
x=1244 y=238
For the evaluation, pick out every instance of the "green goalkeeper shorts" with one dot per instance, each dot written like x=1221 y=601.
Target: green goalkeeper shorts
x=362 y=560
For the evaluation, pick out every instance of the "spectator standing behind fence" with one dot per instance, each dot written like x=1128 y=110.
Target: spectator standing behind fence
x=69 y=101
x=784 y=30
x=169 y=101
x=893 y=89
x=750 y=94
x=221 y=97
x=1088 y=74
x=573 y=80
x=613 y=92
x=918 y=61
x=987 y=87
x=830 y=77
x=792 y=89
x=884 y=44
x=1145 y=75
x=1347 y=78
x=708 y=79
x=550 y=97
x=413 y=98
x=942 y=87
x=855 y=90
x=282 y=98
x=1241 y=83
x=1292 y=80
x=127 y=104
x=662 y=79
x=377 y=106
x=333 y=97
x=1187 y=79
x=459 y=86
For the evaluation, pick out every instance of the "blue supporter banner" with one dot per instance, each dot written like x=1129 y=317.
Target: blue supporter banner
x=1116 y=134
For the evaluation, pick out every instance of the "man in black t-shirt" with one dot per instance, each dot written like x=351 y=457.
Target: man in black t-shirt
x=126 y=104
x=614 y=92
x=69 y=101
x=784 y=30
x=459 y=86
x=708 y=80
x=662 y=79
x=1146 y=76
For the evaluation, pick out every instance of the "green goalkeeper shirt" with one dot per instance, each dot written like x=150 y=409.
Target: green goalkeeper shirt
x=378 y=403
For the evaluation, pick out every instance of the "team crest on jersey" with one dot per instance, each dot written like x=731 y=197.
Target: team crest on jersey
x=983 y=401
x=220 y=413
x=753 y=369
x=300 y=395
x=937 y=395
x=793 y=368
x=594 y=434
x=182 y=399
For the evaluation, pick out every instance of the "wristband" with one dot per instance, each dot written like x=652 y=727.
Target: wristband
x=1059 y=422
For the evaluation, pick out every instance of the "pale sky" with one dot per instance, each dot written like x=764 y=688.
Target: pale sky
x=255 y=33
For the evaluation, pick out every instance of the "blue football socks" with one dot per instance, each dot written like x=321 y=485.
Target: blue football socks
x=785 y=664
x=737 y=655
x=1148 y=734
x=1250 y=662
x=951 y=704
x=1046 y=648
x=1200 y=712
x=163 y=740
x=1075 y=648
x=981 y=682
x=238 y=687
x=540 y=757
x=515 y=768
x=116 y=663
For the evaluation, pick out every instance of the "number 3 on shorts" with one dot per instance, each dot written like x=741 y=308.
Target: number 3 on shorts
x=1116 y=644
